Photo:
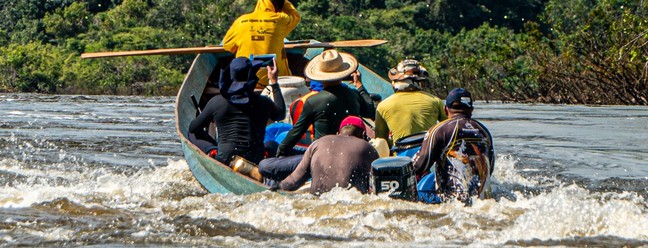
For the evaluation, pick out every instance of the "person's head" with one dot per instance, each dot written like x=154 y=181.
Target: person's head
x=353 y=126
x=239 y=80
x=330 y=67
x=278 y=5
x=459 y=100
x=408 y=75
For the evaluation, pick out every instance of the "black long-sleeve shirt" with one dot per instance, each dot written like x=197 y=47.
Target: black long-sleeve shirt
x=241 y=127
x=326 y=110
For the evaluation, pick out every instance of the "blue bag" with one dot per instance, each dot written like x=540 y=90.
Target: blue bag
x=426 y=188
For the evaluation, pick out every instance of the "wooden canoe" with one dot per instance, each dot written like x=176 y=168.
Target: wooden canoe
x=212 y=175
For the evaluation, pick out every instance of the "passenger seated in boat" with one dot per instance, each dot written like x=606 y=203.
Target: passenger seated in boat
x=459 y=149
x=240 y=115
x=324 y=110
x=410 y=109
x=342 y=160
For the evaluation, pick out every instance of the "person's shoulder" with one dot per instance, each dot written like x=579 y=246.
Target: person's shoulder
x=262 y=98
x=319 y=96
x=217 y=99
x=429 y=95
x=323 y=141
x=390 y=101
x=478 y=122
x=243 y=17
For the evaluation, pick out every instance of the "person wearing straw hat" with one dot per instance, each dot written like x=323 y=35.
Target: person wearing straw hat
x=324 y=110
x=342 y=160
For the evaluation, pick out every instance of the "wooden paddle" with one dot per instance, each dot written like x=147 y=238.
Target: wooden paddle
x=220 y=49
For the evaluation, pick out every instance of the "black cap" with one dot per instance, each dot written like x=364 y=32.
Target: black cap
x=459 y=98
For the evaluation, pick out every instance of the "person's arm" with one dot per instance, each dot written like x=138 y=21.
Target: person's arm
x=422 y=160
x=491 y=149
x=367 y=108
x=302 y=172
x=293 y=17
x=305 y=120
x=382 y=130
x=279 y=111
x=203 y=119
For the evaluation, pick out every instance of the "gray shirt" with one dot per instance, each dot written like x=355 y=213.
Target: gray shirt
x=334 y=160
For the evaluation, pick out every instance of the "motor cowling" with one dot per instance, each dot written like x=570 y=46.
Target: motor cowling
x=394 y=175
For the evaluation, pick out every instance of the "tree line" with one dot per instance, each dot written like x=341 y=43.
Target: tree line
x=552 y=51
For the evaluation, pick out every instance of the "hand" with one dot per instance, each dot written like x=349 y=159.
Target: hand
x=274 y=187
x=281 y=153
x=356 y=79
x=273 y=72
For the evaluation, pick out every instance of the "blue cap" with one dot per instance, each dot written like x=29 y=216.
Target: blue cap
x=459 y=98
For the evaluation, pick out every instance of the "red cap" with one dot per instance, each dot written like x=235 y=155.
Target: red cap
x=354 y=121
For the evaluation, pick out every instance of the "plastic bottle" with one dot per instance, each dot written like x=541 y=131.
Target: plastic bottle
x=246 y=167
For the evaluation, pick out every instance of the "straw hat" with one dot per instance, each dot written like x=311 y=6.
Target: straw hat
x=331 y=65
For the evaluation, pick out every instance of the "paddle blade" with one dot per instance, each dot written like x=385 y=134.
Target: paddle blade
x=339 y=44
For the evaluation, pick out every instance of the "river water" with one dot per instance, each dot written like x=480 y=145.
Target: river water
x=107 y=171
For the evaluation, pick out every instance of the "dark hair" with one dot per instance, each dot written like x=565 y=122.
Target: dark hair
x=352 y=130
x=278 y=4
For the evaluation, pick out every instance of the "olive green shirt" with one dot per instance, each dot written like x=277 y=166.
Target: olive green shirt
x=405 y=113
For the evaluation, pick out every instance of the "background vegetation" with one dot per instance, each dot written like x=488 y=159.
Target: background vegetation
x=577 y=51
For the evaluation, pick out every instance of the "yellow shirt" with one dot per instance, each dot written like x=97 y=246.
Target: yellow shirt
x=263 y=32
x=405 y=113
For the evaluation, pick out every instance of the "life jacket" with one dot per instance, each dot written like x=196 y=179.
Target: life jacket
x=296 y=108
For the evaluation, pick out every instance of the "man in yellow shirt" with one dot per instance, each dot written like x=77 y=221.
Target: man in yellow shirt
x=263 y=32
x=410 y=110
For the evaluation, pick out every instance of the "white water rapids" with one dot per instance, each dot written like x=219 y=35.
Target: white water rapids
x=108 y=171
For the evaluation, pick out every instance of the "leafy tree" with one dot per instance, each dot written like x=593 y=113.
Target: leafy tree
x=602 y=59
x=32 y=67
x=67 y=22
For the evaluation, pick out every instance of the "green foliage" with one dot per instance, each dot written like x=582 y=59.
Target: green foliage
x=602 y=56
x=489 y=61
x=67 y=22
x=32 y=67
x=581 y=51
x=4 y=37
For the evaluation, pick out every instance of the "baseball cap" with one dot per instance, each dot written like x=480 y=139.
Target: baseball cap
x=353 y=121
x=459 y=98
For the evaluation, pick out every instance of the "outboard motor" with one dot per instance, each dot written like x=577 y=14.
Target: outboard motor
x=394 y=175
x=408 y=145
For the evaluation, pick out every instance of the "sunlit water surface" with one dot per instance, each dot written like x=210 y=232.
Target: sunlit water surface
x=108 y=171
